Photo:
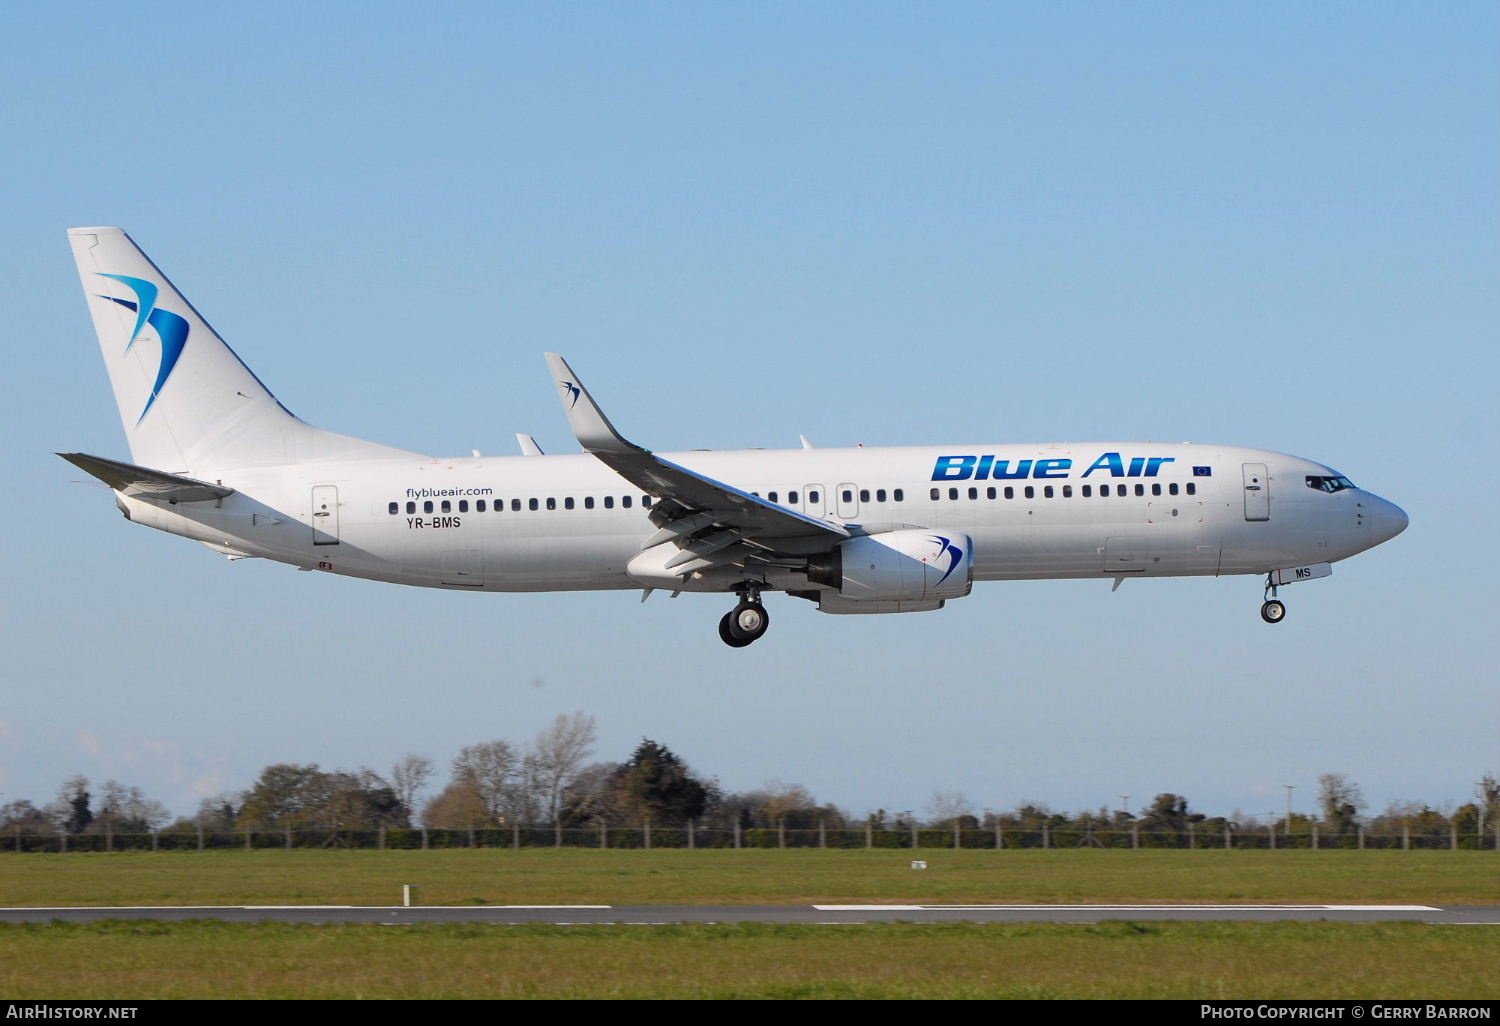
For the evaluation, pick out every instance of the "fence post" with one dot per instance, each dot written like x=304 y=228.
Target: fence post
x=822 y=835
x=557 y=832
x=288 y=830
x=153 y=841
x=1452 y=838
x=869 y=834
x=247 y=838
x=1315 y=836
x=200 y=836
x=1227 y=842
x=736 y=833
x=1405 y=837
x=1046 y=838
x=999 y=836
x=424 y=838
x=914 y=837
x=63 y=836
x=1135 y=835
x=603 y=834
x=1361 y=829
x=380 y=835
x=692 y=839
x=515 y=834
x=957 y=839
x=471 y=835
x=781 y=833
x=648 y=833
x=109 y=838
x=1271 y=833
x=1192 y=838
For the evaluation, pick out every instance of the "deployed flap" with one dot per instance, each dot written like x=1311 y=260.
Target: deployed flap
x=143 y=483
x=753 y=518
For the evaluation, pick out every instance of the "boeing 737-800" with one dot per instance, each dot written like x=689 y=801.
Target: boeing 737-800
x=216 y=458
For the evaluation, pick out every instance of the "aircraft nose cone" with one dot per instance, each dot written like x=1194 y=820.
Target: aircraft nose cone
x=1388 y=519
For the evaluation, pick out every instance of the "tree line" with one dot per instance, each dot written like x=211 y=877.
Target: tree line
x=550 y=781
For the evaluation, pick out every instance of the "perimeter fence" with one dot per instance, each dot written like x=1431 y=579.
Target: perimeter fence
x=692 y=836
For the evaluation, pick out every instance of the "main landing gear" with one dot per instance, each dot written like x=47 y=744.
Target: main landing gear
x=1272 y=610
x=745 y=622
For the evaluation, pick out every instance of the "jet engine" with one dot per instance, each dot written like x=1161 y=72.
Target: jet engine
x=895 y=571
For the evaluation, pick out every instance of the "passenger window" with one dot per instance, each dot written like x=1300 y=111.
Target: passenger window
x=811 y=497
x=864 y=495
x=1120 y=490
x=645 y=502
x=791 y=498
x=1067 y=491
x=973 y=493
x=427 y=506
x=1192 y=489
x=588 y=502
x=772 y=497
x=1156 y=489
x=1047 y=491
x=1088 y=491
x=1140 y=489
x=624 y=502
x=936 y=494
x=447 y=506
x=1172 y=488
x=880 y=495
x=899 y=495
x=849 y=496
x=551 y=502
x=952 y=493
x=463 y=505
x=1010 y=493
x=989 y=493
x=515 y=505
x=411 y=507
x=392 y=508
x=532 y=504
x=479 y=506
x=568 y=502
x=609 y=502
x=1030 y=492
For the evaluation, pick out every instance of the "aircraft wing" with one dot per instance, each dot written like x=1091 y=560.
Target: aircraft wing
x=712 y=522
x=144 y=482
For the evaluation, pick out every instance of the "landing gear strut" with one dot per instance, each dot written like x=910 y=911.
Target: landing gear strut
x=745 y=622
x=1272 y=610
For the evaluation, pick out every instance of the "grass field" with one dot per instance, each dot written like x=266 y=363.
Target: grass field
x=123 y=960
x=720 y=877
x=209 y=959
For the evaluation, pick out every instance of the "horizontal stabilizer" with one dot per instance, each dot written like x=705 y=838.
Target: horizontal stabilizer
x=142 y=483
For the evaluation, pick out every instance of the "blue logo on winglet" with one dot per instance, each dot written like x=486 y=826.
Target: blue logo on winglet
x=171 y=329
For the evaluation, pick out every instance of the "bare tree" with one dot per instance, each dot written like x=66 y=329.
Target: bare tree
x=946 y=806
x=1340 y=800
x=491 y=770
x=409 y=778
x=555 y=757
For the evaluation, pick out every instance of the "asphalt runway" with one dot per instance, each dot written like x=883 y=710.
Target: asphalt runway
x=583 y=915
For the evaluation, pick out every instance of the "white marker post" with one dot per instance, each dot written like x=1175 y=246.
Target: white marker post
x=406 y=891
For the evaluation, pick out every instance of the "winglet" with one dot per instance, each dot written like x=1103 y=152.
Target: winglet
x=528 y=445
x=592 y=428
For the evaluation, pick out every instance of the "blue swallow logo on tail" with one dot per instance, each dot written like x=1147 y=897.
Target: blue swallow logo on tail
x=573 y=393
x=171 y=329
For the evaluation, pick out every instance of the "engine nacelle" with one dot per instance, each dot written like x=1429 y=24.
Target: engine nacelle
x=899 y=567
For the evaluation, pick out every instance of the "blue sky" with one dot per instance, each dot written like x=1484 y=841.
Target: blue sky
x=1268 y=224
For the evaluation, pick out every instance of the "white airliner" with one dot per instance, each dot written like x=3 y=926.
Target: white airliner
x=218 y=459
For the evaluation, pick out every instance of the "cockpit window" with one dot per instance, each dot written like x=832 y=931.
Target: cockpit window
x=1329 y=484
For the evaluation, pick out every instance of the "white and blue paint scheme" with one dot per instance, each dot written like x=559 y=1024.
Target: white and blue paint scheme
x=216 y=458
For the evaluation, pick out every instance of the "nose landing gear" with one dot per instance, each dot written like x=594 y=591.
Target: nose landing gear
x=1272 y=610
x=745 y=622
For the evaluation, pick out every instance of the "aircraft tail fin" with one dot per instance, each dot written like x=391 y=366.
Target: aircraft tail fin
x=187 y=402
